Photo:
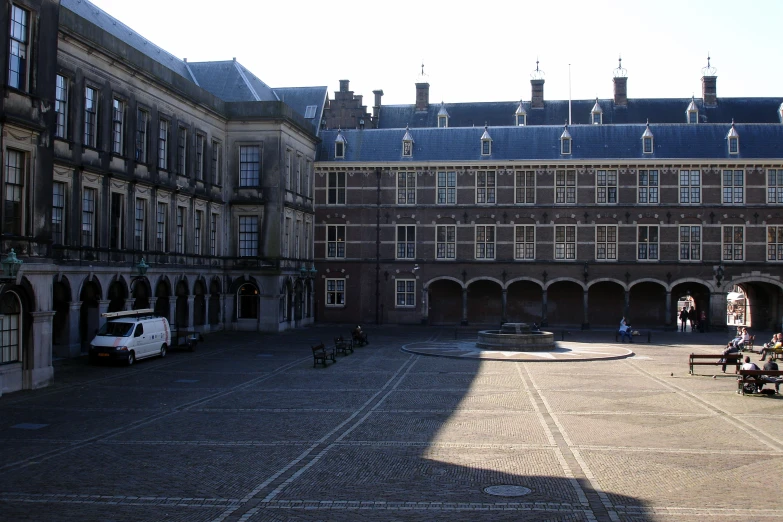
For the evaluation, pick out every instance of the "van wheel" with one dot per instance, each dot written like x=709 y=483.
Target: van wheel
x=163 y=350
x=131 y=358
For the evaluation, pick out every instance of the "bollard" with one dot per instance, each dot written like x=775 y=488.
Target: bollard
x=649 y=337
x=562 y=336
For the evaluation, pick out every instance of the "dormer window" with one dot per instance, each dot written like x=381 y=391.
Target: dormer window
x=647 y=140
x=693 y=112
x=407 y=144
x=597 y=114
x=565 y=141
x=486 y=143
x=521 y=116
x=443 y=117
x=780 y=112
x=339 y=145
x=733 y=138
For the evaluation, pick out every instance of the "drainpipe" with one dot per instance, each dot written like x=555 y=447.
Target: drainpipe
x=378 y=248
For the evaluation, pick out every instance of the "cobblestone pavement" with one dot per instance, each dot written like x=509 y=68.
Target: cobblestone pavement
x=245 y=429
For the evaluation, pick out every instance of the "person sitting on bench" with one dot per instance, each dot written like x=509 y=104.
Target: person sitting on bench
x=740 y=340
x=625 y=329
x=775 y=344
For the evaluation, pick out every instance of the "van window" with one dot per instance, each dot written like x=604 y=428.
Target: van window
x=112 y=329
x=139 y=331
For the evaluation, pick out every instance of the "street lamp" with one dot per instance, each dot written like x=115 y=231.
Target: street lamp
x=313 y=271
x=303 y=271
x=141 y=268
x=11 y=266
x=719 y=274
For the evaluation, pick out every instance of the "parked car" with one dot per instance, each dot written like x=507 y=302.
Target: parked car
x=131 y=335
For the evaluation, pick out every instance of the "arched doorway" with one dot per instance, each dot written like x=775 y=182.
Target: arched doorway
x=647 y=305
x=565 y=304
x=162 y=295
x=485 y=302
x=523 y=302
x=118 y=293
x=445 y=302
x=214 y=302
x=298 y=301
x=11 y=328
x=181 y=314
x=695 y=296
x=61 y=303
x=199 y=304
x=764 y=305
x=88 y=312
x=247 y=301
x=605 y=304
x=140 y=288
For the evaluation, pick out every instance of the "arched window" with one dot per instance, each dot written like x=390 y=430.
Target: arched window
x=10 y=328
x=247 y=301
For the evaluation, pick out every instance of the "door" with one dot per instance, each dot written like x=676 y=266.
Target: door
x=141 y=344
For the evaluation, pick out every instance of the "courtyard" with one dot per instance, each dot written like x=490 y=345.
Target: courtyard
x=246 y=429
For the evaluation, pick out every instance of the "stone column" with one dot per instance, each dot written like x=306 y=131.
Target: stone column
x=173 y=310
x=504 y=303
x=129 y=303
x=191 y=300
x=544 y=321
x=464 y=306
x=586 y=318
x=668 y=322
x=627 y=306
x=205 y=326
x=227 y=306
x=103 y=307
x=38 y=371
x=153 y=301
x=718 y=302
x=74 y=347
x=424 y=305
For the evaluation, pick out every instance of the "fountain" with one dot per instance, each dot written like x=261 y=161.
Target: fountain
x=516 y=337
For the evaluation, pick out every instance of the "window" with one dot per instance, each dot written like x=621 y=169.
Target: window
x=485 y=186
x=88 y=217
x=775 y=243
x=606 y=186
x=521 y=115
x=160 y=227
x=306 y=241
x=648 y=187
x=447 y=188
x=775 y=186
x=565 y=242
x=606 y=242
x=200 y=151
x=336 y=188
x=486 y=147
x=117 y=122
x=733 y=187
x=307 y=190
x=297 y=230
x=406 y=293
x=310 y=111
x=17 y=59
x=406 y=241
x=647 y=145
x=61 y=106
x=443 y=121
x=248 y=236
x=213 y=227
x=15 y=162
x=565 y=142
x=58 y=213
x=565 y=186
x=90 y=117
x=597 y=114
x=524 y=242
x=339 y=145
x=217 y=179
x=197 y=219
x=446 y=242
x=335 y=292
x=182 y=151
x=298 y=178
x=288 y=170
x=647 y=242
x=163 y=145
x=407 y=148
x=287 y=237
x=406 y=188
x=690 y=187
x=142 y=120
x=733 y=138
x=116 y=228
x=180 y=246
x=692 y=112
x=733 y=242
x=249 y=165
x=525 y=187
x=335 y=241
x=485 y=242
x=690 y=243
x=10 y=328
x=139 y=231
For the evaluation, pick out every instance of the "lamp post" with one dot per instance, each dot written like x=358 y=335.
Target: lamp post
x=141 y=268
x=11 y=266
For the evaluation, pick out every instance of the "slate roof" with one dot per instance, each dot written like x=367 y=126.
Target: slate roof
x=542 y=143
x=298 y=98
x=231 y=81
x=111 y=25
x=555 y=112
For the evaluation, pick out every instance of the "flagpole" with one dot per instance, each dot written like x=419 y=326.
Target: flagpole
x=569 y=94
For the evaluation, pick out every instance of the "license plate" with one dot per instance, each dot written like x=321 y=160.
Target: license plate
x=103 y=355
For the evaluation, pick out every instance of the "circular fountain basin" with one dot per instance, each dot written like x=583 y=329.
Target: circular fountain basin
x=516 y=337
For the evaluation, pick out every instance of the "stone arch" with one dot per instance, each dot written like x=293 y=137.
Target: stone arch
x=214 y=301
x=443 y=278
x=485 y=301
x=606 y=280
x=764 y=302
x=61 y=304
x=523 y=278
x=140 y=292
x=524 y=298
x=162 y=297
x=182 y=314
x=16 y=326
x=605 y=302
x=199 y=302
x=484 y=278
x=247 y=295
x=647 y=304
x=565 y=301
x=444 y=298
x=89 y=312
x=117 y=294
x=561 y=279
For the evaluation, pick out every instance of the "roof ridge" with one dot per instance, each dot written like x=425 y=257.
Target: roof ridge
x=244 y=71
x=247 y=82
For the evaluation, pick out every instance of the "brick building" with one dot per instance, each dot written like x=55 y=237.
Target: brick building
x=479 y=213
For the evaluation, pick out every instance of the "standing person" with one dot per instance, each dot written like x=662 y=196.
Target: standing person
x=683 y=318
x=694 y=318
x=703 y=321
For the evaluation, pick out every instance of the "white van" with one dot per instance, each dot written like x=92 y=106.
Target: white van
x=131 y=335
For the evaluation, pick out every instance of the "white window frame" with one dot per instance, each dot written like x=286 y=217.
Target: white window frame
x=774 y=243
x=217 y=152
x=524 y=193
x=61 y=106
x=647 y=145
x=732 y=250
x=142 y=133
x=198 y=222
x=288 y=169
x=733 y=145
x=690 y=190
x=298 y=177
x=297 y=235
x=565 y=146
x=336 y=191
x=733 y=186
x=180 y=239
x=596 y=120
x=89 y=213
x=406 y=187
x=565 y=187
x=652 y=249
x=443 y=122
x=59 y=191
x=486 y=187
x=407 y=148
x=606 y=189
x=335 y=241
x=521 y=120
x=405 y=242
x=692 y=117
x=524 y=242
x=247 y=239
x=91 y=106
x=606 y=242
x=445 y=242
x=334 y=292
x=249 y=165
x=163 y=144
x=201 y=144
x=287 y=236
x=161 y=226
x=140 y=224
x=19 y=48
x=486 y=242
x=182 y=151
x=117 y=220
x=117 y=126
x=486 y=147
x=339 y=149
x=775 y=186
x=565 y=242
x=691 y=239
x=447 y=187
x=645 y=188
x=15 y=189
x=214 y=225
x=405 y=293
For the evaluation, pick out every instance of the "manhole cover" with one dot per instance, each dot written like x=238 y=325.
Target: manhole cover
x=507 y=491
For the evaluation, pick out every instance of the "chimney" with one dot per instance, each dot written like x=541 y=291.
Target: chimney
x=376 y=108
x=344 y=85
x=537 y=93
x=621 y=91
x=422 y=96
x=709 y=92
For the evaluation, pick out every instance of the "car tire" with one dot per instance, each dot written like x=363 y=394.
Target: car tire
x=162 y=350
x=131 y=359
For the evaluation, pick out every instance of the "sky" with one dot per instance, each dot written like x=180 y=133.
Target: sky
x=478 y=52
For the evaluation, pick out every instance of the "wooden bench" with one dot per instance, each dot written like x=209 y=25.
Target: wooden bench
x=713 y=359
x=187 y=338
x=343 y=346
x=321 y=354
x=761 y=377
x=359 y=339
x=748 y=346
